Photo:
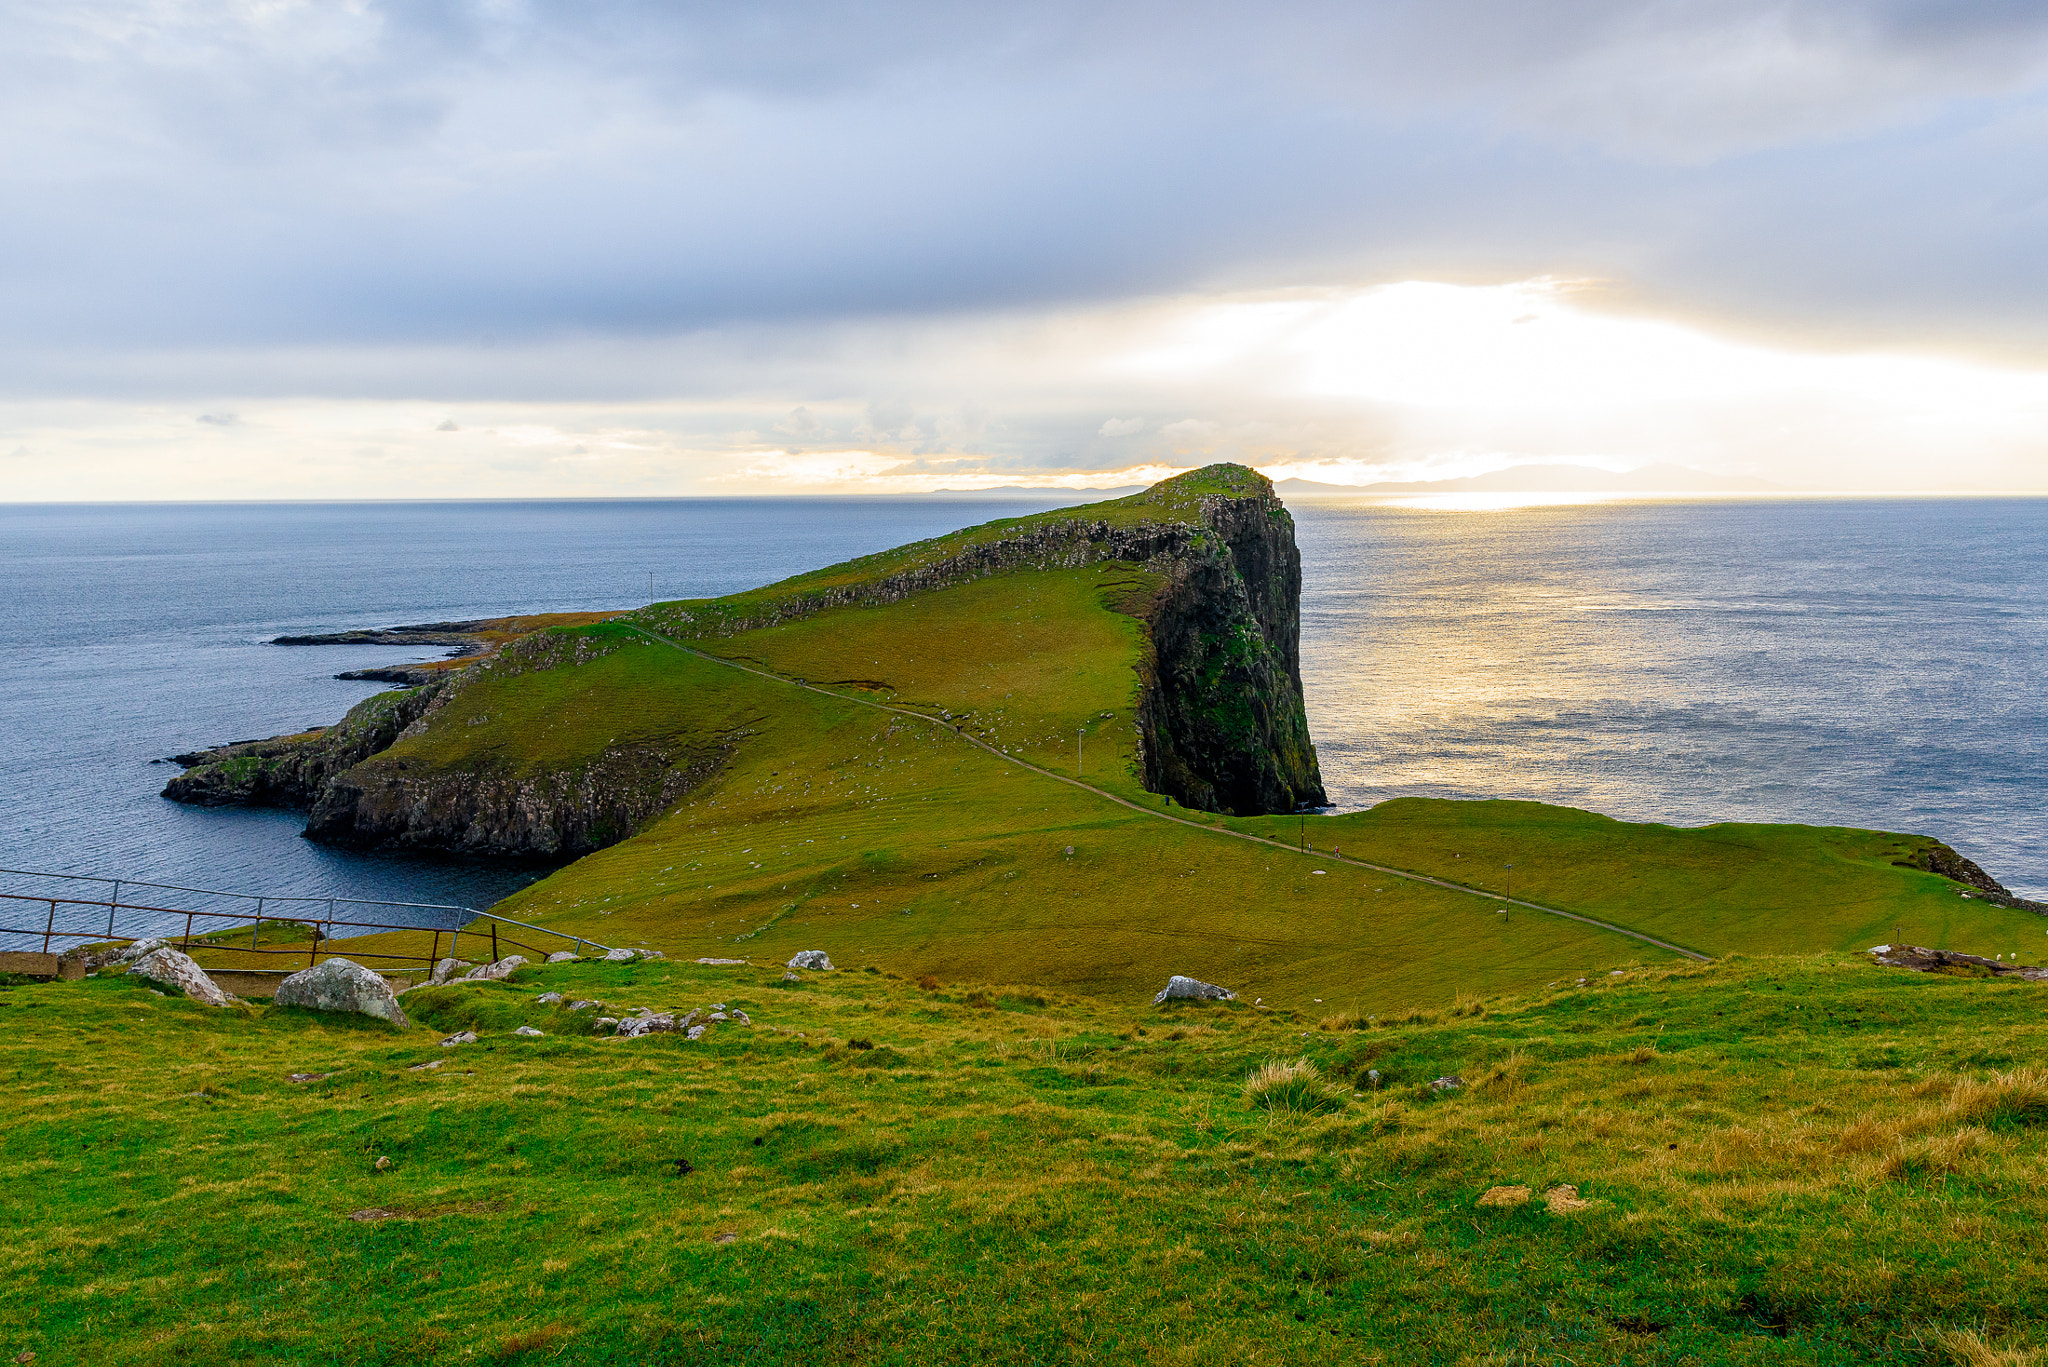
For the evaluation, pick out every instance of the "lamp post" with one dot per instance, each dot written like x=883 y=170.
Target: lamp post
x=1511 y=880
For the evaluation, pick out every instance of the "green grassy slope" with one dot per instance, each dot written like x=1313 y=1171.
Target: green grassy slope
x=1782 y=1161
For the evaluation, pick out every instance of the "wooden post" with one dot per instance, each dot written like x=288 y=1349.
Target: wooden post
x=186 y=943
x=49 y=925
x=494 y=942
x=435 y=956
x=113 y=907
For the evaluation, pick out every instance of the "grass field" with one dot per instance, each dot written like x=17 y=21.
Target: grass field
x=1808 y=1160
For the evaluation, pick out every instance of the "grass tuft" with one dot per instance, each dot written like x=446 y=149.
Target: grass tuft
x=2019 y=1097
x=1291 y=1087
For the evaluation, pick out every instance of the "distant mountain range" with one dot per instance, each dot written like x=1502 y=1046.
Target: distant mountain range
x=1555 y=479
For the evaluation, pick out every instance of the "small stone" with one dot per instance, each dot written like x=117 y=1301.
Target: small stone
x=632 y=1027
x=1070 y=849
x=724 y=963
x=459 y=1037
x=1505 y=1196
x=342 y=985
x=1446 y=1084
x=717 y=1006
x=428 y=1065
x=1192 y=989
x=605 y=1022
x=310 y=1077
x=742 y=1017
x=697 y=1032
x=496 y=972
x=724 y=1237
x=790 y=978
x=718 y=1015
x=620 y=956
x=811 y=958
x=584 y=1005
x=529 y=1032
x=446 y=969
x=173 y=969
x=549 y=999
x=383 y=1163
x=562 y=956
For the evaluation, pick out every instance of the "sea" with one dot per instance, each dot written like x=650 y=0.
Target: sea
x=1877 y=662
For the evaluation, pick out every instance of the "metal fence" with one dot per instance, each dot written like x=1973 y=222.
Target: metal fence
x=86 y=909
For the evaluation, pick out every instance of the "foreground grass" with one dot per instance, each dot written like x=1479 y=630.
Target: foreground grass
x=1810 y=1160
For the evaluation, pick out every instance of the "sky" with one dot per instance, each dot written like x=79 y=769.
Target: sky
x=520 y=248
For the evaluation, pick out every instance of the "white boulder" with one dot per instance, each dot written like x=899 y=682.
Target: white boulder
x=446 y=969
x=1179 y=988
x=496 y=972
x=811 y=958
x=342 y=985
x=562 y=956
x=172 y=969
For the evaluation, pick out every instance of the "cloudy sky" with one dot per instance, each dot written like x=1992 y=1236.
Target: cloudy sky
x=266 y=248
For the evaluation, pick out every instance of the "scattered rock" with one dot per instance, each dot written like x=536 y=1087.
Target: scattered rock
x=583 y=1005
x=724 y=1236
x=810 y=958
x=530 y=1032
x=632 y=1027
x=718 y=1015
x=562 y=956
x=95 y=959
x=549 y=999
x=496 y=972
x=1447 y=1084
x=791 y=978
x=1505 y=1196
x=447 y=969
x=602 y=1021
x=373 y=1213
x=742 y=1017
x=1179 y=988
x=724 y=963
x=430 y=1064
x=383 y=1163
x=1951 y=964
x=342 y=985
x=620 y=956
x=310 y=1077
x=696 y=1032
x=172 y=969
x=1564 y=1199
x=459 y=1037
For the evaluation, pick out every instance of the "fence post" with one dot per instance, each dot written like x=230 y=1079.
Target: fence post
x=112 y=907
x=257 y=929
x=49 y=925
x=434 y=955
x=494 y=936
x=186 y=943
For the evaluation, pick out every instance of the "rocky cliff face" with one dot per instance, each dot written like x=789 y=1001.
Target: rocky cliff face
x=1220 y=706
x=291 y=771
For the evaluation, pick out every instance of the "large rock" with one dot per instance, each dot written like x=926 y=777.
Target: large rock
x=172 y=969
x=342 y=985
x=448 y=969
x=1193 y=989
x=1920 y=959
x=811 y=958
x=562 y=956
x=496 y=972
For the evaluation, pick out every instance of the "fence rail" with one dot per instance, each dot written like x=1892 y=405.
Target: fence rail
x=321 y=915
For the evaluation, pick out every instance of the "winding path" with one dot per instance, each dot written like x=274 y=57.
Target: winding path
x=1108 y=796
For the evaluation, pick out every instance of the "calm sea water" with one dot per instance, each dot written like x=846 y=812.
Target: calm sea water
x=1875 y=663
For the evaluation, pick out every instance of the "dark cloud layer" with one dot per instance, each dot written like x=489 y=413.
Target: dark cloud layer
x=208 y=178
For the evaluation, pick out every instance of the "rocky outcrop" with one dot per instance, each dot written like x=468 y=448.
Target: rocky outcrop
x=1919 y=959
x=552 y=814
x=1179 y=988
x=342 y=985
x=1941 y=859
x=292 y=771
